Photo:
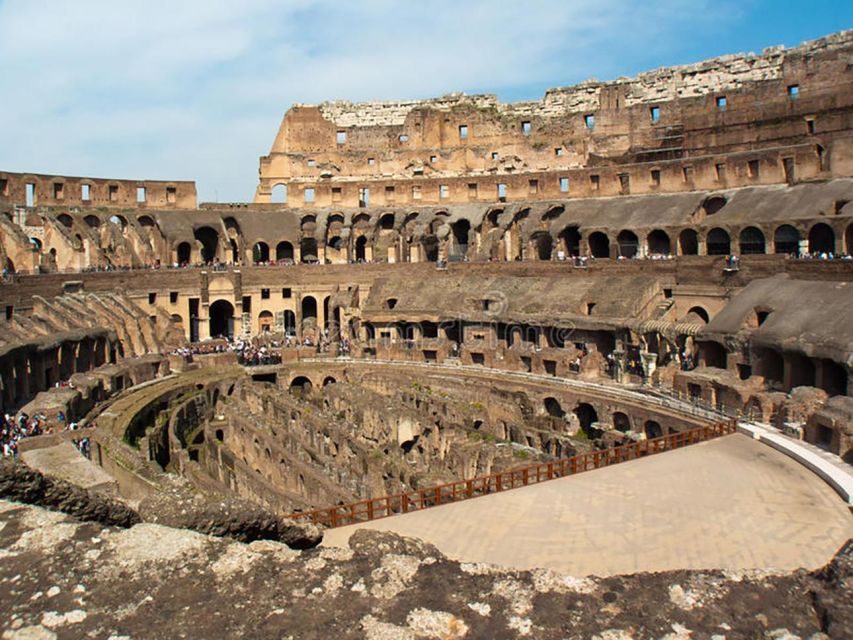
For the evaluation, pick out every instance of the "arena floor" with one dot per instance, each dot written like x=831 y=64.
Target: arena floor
x=731 y=503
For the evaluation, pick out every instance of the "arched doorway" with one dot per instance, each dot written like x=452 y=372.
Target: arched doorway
x=751 y=241
x=599 y=245
x=658 y=243
x=459 y=248
x=688 y=242
x=301 y=386
x=570 y=238
x=621 y=422
x=289 y=323
x=719 y=243
x=541 y=243
x=786 y=239
x=209 y=239
x=628 y=244
x=221 y=319
x=430 y=248
x=361 y=249
x=279 y=193
x=553 y=408
x=587 y=416
x=284 y=251
x=265 y=321
x=184 y=252
x=309 y=312
x=700 y=313
x=261 y=252
x=821 y=239
x=652 y=429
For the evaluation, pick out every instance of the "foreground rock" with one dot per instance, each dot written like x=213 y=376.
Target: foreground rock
x=20 y=483
x=60 y=578
x=228 y=518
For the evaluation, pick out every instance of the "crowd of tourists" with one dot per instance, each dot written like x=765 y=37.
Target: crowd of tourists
x=15 y=428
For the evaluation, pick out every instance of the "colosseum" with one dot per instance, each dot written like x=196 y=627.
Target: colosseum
x=556 y=368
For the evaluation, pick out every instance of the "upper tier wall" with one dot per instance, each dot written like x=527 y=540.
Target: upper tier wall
x=729 y=105
x=33 y=190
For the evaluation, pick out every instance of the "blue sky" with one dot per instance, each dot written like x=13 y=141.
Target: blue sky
x=195 y=89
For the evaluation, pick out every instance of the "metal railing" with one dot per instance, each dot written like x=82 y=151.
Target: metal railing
x=375 y=508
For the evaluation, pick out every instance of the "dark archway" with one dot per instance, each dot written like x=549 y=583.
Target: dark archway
x=301 y=386
x=386 y=222
x=700 y=312
x=552 y=406
x=571 y=239
x=786 y=239
x=209 y=239
x=621 y=422
x=599 y=245
x=752 y=241
x=719 y=243
x=587 y=416
x=308 y=249
x=361 y=249
x=653 y=429
x=284 y=251
x=65 y=220
x=261 y=252
x=92 y=221
x=430 y=248
x=628 y=244
x=459 y=247
x=542 y=244
x=328 y=380
x=309 y=310
x=821 y=239
x=688 y=241
x=289 y=322
x=834 y=378
x=221 y=319
x=802 y=370
x=184 y=252
x=658 y=243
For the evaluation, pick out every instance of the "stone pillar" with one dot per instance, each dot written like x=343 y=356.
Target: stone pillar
x=619 y=364
x=650 y=363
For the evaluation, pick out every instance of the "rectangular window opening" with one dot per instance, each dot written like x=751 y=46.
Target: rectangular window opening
x=558 y=151
x=363 y=197
x=140 y=194
x=443 y=191
x=721 y=172
x=722 y=103
x=463 y=131
x=286 y=292
x=309 y=195
x=85 y=192
x=494 y=155
x=265 y=294
x=594 y=182
x=753 y=168
x=533 y=186
x=337 y=194
x=788 y=165
x=173 y=297
x=687 y=174
x=589 y=121
x=472 y=190
x=403 y=137
x=341 y=137
x=564 y=185
x=58 y=191
x=810 y=126
x=433 y=159
x=371 y=161
x=654 y=112
x=793 y=91
x=656 y=177
x=152 y=298
x=171 y=195
x=112 y=192
x=390 y=191
x=416 y=192
x=624 y=183
x=312 y=163
x=4 y=187
x=502 y=192
x=526 y=128
x=30 y=194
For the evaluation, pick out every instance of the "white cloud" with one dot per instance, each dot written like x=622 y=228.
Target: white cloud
x=196 y=89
